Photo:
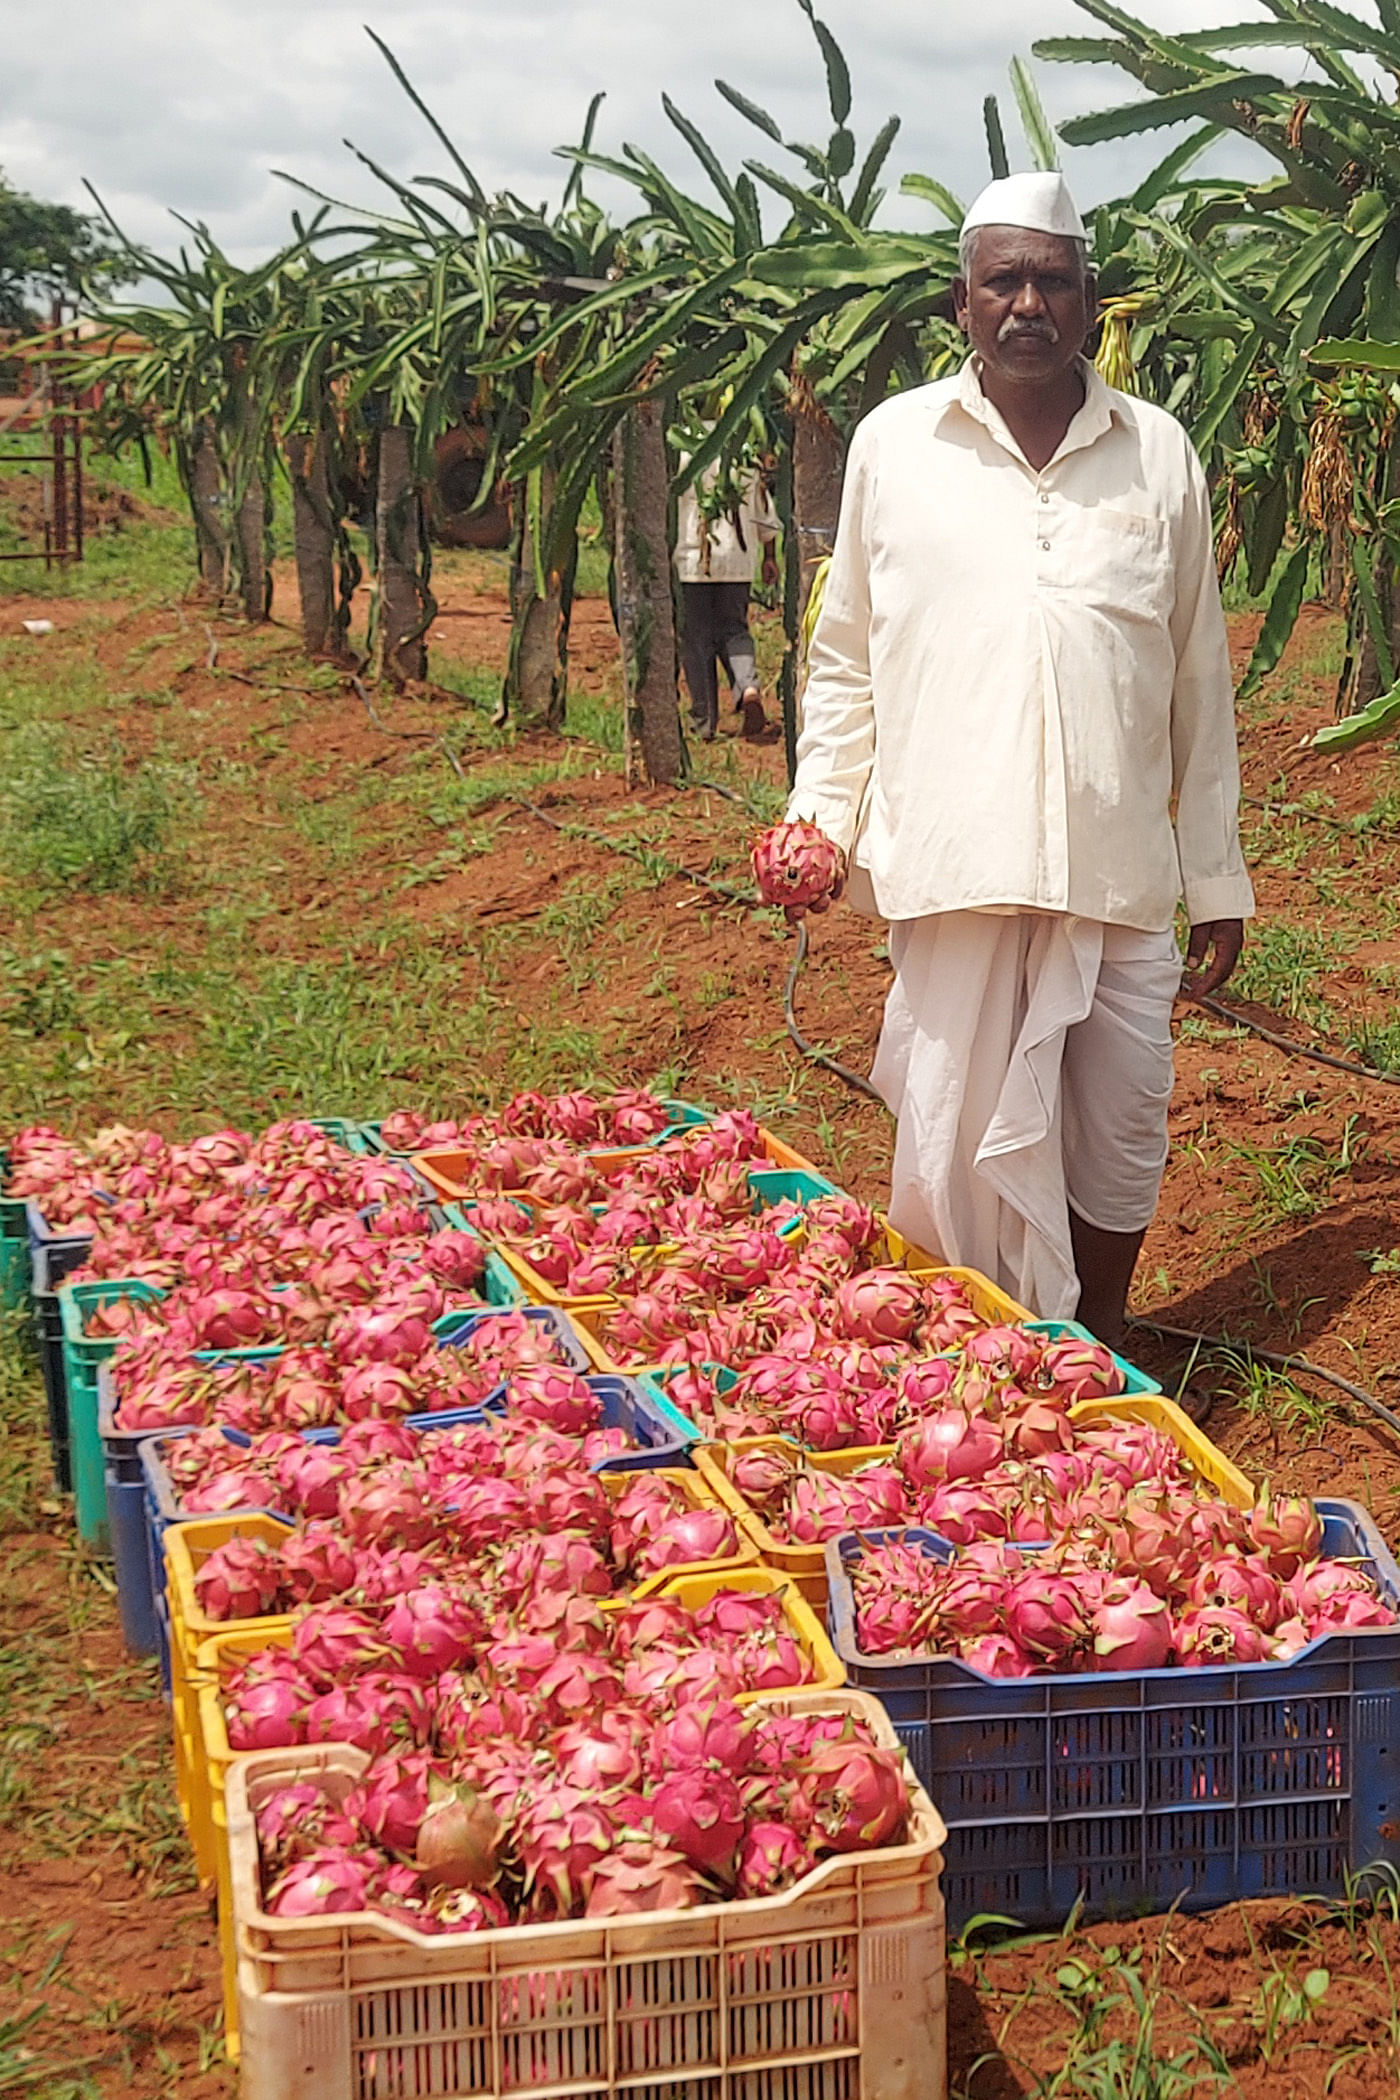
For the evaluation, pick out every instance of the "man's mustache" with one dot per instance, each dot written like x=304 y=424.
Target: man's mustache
x=1044 y=331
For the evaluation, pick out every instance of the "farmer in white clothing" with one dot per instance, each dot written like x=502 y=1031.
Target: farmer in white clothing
x=1019 y=728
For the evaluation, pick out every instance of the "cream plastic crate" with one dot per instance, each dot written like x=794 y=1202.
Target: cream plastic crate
x=834 y=1991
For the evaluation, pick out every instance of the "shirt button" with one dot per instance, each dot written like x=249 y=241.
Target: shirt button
x=1044 y=498
x=1045 y=546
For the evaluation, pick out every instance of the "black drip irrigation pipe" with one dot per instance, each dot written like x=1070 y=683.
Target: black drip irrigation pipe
x=818 y=1057
x=1286 y=1043
x=1301 y=1365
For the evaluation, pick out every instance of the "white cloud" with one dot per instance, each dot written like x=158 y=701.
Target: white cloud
x=191 y=107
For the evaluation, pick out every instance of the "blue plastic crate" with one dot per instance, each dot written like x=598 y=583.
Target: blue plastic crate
x=1132 y=1791
x=455 y=1328
x=661 y=1435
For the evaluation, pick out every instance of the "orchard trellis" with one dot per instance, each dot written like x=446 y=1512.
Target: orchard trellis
x=1263 y=311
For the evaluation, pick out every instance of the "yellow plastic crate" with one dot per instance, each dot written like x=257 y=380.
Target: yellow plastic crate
x=806 y=1565
x=1209 y=1464
x=215 y=1755
x=591 y=1315
x=832 y=1989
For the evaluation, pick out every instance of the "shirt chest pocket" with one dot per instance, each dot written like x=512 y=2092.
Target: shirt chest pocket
x=1121 y=564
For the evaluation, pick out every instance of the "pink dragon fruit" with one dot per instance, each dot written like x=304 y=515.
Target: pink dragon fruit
x=317 y=1564
x=948 y=1446
x=311 y=1478
x=1287 y=1530
x=642 y=1875
x=391 y=1799
x=1045 y=1616
x=859 y=1795
x=603 y=1752
x=1132 y=1628
x=239 y=1580
x=771 y=1858
x=556 y=1396
x=1243 y=1583
x=293 y=1821
x=387 y=1508
x=692 y=1536
x=323 y=1884
x=1079 y=1370
x=332 y=1642
x=266 y=1716
x=880 y=1305
x=704 y=1732
x=795 y=864
x=962 y=1511
x=434 y=1629
x=996 y=1655
x=1213 y=1634
x=562 y=1838
x=575 y=1685
x=698 y=1810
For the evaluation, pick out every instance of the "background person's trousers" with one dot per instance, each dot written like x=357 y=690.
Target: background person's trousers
x=715 y=625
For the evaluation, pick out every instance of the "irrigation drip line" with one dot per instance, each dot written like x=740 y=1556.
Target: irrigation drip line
x=1354 y=827
x=1295 y=1049
x=818 y=1057
x=1275 y=1362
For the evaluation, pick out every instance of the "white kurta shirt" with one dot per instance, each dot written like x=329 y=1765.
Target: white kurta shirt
x=710 y=550
x=1015 y=675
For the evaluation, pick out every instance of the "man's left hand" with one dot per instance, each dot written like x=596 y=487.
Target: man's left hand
x=768 y=574
x=1211 y=955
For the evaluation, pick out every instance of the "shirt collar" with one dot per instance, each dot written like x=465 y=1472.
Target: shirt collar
x=1094 y=418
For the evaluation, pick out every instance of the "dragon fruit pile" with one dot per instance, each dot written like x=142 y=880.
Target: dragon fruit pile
x=61 y=1176
x=376 y=1361
x=795 y=864
x=498 y=1510
x=631 y=1117
x=1015 y=1385
x=1146 y=1577
x=408 y=1672
x=587 y=1780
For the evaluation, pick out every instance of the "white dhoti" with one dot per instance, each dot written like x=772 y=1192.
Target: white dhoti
x=1028 y=1059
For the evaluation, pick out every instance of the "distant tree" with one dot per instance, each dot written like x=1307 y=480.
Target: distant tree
x=45 y=249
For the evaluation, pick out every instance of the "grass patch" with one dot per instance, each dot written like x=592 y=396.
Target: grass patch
x=89 y=822
x=1283 y=967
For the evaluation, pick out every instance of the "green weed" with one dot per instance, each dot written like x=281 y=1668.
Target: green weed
x=88 y=822
x=1285 y=966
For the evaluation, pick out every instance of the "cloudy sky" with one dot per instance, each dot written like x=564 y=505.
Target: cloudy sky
x=189 y=105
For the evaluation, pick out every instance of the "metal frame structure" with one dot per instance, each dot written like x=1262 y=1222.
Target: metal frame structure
x=52 y=415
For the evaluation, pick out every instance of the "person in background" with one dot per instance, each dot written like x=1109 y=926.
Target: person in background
x=715 y=561
x=1019 y=729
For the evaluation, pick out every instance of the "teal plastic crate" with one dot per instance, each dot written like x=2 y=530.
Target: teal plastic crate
x=82 y=1358
x=14 y=1245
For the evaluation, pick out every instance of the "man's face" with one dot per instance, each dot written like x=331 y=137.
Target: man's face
x=1026 y=304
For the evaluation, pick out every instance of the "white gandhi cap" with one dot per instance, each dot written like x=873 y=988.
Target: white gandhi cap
x=1041 y=203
